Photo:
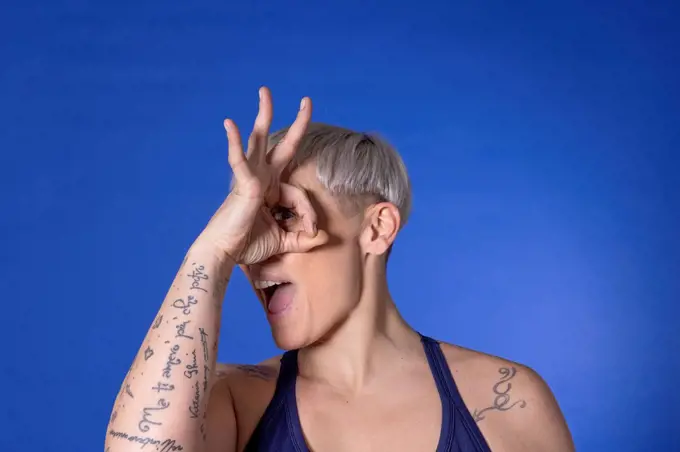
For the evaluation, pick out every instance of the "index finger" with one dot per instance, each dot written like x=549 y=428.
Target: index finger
x=236 y=157
x=257 y=142
x=284 y=151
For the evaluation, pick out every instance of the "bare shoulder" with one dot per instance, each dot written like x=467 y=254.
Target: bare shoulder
x=251 y=388
x=266 y=370
x=512 y=404
x=250 y=385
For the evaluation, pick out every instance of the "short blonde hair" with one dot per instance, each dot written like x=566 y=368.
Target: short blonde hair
x=354 y=165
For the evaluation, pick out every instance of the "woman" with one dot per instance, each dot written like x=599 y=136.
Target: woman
x=311 y=218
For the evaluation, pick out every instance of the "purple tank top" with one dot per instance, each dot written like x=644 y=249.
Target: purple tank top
x=279 y=428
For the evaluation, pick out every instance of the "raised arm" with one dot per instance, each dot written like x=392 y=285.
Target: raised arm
x=162 y=400
x=162 y=403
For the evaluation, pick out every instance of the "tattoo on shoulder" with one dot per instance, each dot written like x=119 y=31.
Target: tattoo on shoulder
x=261 y=372
x=501 y=401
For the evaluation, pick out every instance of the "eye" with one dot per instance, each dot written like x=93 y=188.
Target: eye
x=281 y=213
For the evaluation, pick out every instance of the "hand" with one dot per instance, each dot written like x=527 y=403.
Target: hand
x=243 y=227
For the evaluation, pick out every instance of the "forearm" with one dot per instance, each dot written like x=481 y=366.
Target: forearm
x=163 y=399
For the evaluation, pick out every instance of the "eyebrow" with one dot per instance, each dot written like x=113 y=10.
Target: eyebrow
x=300 y=186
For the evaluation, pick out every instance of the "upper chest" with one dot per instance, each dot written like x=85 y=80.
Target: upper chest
x=403 y=413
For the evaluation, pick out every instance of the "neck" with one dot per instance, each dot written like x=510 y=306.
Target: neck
x=363 y=347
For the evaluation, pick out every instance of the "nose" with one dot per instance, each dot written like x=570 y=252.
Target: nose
x=270 y=261
x=269 y=265
x=255 y=269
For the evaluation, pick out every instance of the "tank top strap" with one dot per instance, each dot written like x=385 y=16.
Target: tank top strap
x=285 y=384
x=452 y=402
x=278 y=428
x=285 y=395
x=287 y=373
x=440 y=368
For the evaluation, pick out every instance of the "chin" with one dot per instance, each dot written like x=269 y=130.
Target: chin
x=292 y=330
x=288 y=338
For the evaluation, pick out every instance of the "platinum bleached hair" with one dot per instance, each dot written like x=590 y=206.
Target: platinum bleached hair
x=354 y=166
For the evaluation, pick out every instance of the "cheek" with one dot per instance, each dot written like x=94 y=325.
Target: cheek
x=333 y=277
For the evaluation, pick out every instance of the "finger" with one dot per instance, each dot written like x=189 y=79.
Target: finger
x=267 y=216
x=297 y=200
x=273 y=194
x=284 y=151
x=257 y=143
x=237 y=160
x=301 y=242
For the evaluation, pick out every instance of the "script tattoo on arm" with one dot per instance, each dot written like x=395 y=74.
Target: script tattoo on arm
x=192 y=367
x=181 y=330
x=154 y=404
x=195 y=408
x=148 y=414
x=173 y=360
x=185 y=306
x=157 y=322
x=261 y=372
x=204 y=342
x=501 y=401
x=198 y=275
x=206 y=357
x=163 y=387
x=166 y=445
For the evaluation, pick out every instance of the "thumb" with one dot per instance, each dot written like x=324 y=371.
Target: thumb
x=300 y=242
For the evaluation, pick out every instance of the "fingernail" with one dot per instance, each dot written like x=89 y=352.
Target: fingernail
x=303 y=104
x=259 y=93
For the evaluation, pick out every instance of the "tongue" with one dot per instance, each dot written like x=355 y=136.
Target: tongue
x=281 y=298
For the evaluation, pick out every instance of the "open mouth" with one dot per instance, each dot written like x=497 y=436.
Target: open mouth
x=268 y=289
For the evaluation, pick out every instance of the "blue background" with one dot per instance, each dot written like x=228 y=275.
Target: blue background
x=541 y=139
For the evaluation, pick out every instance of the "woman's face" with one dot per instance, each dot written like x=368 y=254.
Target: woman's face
x=325 y=284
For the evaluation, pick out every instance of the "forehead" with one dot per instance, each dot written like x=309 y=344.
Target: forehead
x=324 y=202
x=304 y=177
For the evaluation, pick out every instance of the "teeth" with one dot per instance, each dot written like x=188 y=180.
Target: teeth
x=265 y=284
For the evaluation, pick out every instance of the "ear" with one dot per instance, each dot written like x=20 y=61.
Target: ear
x=381 y=224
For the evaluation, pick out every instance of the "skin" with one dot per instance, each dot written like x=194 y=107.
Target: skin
x=363 y=382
